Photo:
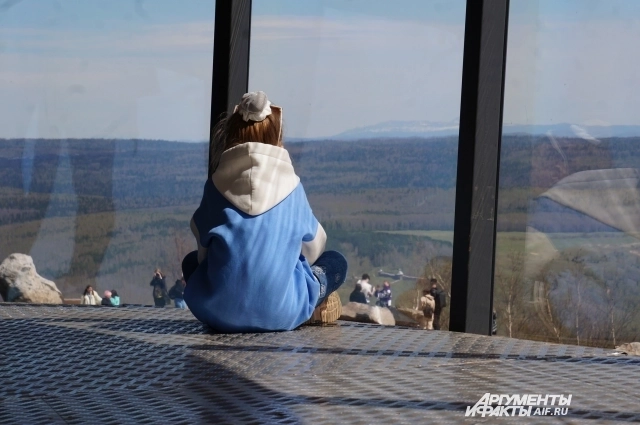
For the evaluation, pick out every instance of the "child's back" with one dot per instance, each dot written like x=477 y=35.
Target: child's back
x=257 y=238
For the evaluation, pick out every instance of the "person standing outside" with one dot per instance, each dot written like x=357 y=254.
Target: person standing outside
x=90 y=297
x=357 y=296
x=375 y=292
x=159 y=285
x=176 y=293
x=365 y=287
x=115 y=298
x=384 y=295
x=441 y=302
x=427 y=305
x=106 y=300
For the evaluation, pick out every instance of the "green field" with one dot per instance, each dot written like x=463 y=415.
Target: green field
x=507 y=242
x=438 y=235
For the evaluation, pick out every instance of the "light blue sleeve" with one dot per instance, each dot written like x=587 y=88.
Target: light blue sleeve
x=314 y=238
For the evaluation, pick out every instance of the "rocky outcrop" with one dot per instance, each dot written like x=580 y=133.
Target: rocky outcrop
x=630 y=349
x=418 y=316
x=404 y=318
x=19 y=282
x=365 y=313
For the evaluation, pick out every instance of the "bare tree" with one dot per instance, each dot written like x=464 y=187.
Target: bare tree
x=552 y=319
x=509 y=293
x=611 y=308
x=182 y=247
x=578 y=309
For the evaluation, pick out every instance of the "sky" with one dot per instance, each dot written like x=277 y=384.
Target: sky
x=116 y=69
x=142 y=69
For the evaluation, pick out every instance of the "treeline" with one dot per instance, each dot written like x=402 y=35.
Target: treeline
x=583 y=296
x=360 y=185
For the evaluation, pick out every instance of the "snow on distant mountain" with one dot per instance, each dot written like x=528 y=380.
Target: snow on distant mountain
x=402 y=129
x=588 y=132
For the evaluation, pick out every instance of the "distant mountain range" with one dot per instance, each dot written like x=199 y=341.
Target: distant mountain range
x=402 y=129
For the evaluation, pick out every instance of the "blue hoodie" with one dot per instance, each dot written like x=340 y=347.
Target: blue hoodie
x=261 y=236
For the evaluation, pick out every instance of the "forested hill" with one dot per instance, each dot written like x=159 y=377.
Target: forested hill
x=144 y=174
x=151 y=174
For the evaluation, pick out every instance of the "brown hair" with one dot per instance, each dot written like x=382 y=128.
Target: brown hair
x=233 y=130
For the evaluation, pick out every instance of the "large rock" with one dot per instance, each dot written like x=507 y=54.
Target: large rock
x=19 y=282
x=365 y=313
x=630 y=349
x=419 y=317
x=404 y=318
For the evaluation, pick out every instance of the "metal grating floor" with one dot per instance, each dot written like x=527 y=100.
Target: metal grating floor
x=76 y=365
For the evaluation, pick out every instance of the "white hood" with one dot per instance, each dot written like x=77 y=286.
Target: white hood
x=255 y=177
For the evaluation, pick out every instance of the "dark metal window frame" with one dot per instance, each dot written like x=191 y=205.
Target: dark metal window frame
x=483 y=72
x=485 y=44
x=231 y=41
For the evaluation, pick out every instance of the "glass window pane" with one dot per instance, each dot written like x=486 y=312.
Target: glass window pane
x=568 y=254
x=371 y=92
x=104 y=115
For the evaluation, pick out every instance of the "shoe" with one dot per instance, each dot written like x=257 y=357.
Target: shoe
x=327 y=312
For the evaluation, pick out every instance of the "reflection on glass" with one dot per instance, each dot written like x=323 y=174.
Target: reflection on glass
x=97 y=101
x=568 y=243
x=372 y=92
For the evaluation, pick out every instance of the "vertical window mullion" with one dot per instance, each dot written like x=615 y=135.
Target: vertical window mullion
x=478 y=164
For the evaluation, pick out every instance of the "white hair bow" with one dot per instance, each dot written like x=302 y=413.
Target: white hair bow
x=254 y=106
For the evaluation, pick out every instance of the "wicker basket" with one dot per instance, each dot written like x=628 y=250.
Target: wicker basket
x=327 y=312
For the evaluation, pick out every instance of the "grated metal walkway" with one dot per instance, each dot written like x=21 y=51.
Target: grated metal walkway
x=76 y=365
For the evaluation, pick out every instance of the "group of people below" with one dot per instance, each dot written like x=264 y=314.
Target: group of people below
x=363 y=291
x=91 y=297
x=162 y=297
x=432 y=302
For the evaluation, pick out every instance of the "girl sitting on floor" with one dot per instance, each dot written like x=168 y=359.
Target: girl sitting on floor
x=260 y=264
